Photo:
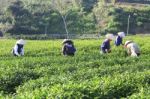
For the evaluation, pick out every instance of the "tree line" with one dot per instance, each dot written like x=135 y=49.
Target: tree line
x=70 y=17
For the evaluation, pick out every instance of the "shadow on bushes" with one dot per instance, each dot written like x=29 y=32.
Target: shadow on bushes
x=9 y=84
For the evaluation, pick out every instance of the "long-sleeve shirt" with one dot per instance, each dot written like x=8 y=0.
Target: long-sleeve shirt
x=105 y=46
x=118 y=41
x=133 y=48
x=18 y=50
x=68 y=49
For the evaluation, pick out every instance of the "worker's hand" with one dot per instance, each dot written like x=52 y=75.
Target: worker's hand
x=18 y=55
x=109 y=51
x=124 y=46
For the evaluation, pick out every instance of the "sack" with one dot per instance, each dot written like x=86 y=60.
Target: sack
x=70 y=49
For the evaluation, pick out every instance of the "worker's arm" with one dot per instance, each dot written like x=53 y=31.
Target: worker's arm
x=63 y=49
x=16 y=50
x=108 y=48
x=129 y=51
x=22 y=51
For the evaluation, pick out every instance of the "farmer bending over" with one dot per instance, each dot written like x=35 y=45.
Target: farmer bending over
x=105 y=47
x=132 y=48
x=18 y=48
x=68 y=48
x=119 y=38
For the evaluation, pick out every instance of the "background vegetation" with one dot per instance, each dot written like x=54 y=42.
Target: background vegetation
x=28 y=17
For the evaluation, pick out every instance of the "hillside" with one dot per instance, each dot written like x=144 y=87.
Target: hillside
x=35 y=17
x=134 y=1
x=5 y=3
x=114 y=18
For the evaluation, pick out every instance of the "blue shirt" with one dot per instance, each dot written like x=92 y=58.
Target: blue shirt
x=105 y=45
x=118 y=41
x=68 y=49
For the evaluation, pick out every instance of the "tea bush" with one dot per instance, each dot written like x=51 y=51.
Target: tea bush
x=43 y=73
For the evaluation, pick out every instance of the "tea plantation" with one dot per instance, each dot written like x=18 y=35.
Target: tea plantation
x=43 y=73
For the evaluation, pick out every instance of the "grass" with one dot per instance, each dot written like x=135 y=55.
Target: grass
x=43 y=73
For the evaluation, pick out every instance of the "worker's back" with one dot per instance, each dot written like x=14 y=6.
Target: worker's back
x=134 y=48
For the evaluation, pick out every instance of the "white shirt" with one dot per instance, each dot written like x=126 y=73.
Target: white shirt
x=133 y=48
x=15 y=49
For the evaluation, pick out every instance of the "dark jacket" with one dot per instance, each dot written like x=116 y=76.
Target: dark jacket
x=105 y=46
x=68 y=49
x=118 y=41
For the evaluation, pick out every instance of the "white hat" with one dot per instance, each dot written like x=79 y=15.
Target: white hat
x=121 y=34
x=21 y=41
x=66 y=40
x=127 y=42
x=110 y=36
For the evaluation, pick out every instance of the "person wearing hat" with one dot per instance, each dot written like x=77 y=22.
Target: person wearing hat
x=105 y=47
x=18 y=49
x=68 y=48
x=132 y=48
x=119 y=38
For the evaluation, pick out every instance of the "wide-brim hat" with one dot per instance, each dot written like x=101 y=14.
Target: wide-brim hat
x=121 y=34
x=110 y=36
x=67 y=41
x=21 y=41
x=128 y=42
